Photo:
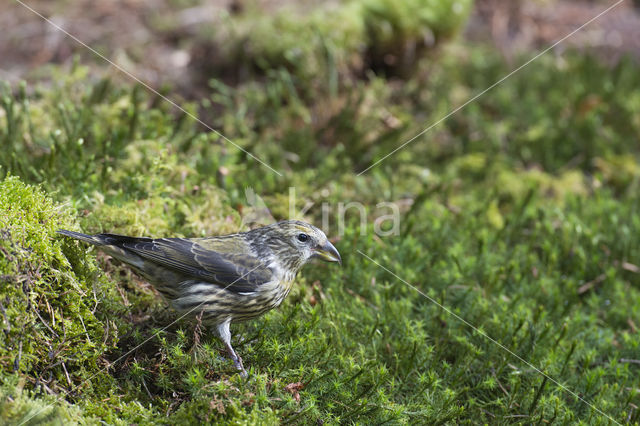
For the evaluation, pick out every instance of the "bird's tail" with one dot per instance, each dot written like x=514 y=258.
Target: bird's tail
x=112 y=245
x=93 y=239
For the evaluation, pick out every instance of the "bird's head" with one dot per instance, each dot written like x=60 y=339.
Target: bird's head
x=295 y=243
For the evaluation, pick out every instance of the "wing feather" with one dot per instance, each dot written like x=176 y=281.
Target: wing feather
x=215 y=260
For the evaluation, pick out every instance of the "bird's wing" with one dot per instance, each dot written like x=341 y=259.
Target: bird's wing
x=225 y=261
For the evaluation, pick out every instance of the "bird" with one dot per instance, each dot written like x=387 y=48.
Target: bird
x=221 y=279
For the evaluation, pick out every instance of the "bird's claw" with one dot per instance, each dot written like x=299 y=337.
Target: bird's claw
x=237 y=361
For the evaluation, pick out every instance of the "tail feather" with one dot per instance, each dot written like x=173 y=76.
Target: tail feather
x=112 y=245
x=80 y=236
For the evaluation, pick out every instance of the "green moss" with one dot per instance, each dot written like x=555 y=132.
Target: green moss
x=328 y=43
x=19 y=406
x=59 y=313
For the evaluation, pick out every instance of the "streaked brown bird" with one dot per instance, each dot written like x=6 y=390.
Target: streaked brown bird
x=226 y=278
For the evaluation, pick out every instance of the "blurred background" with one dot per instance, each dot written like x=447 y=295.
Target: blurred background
x=183 y=42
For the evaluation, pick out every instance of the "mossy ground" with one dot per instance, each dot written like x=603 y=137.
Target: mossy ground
x=520 y=214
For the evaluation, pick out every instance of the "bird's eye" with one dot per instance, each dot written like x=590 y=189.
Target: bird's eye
x=303 y=238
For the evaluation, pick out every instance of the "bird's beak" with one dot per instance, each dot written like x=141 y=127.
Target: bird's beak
x=328 y=252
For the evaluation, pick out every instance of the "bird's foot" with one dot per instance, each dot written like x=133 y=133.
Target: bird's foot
x=237 y=361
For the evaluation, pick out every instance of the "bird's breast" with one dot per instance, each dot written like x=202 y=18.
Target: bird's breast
x=273 y=293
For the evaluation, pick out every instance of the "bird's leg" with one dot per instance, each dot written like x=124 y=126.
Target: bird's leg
x=225 y=336
x=236 y=360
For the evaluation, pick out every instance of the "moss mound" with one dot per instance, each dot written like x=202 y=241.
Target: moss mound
x=53 y=299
